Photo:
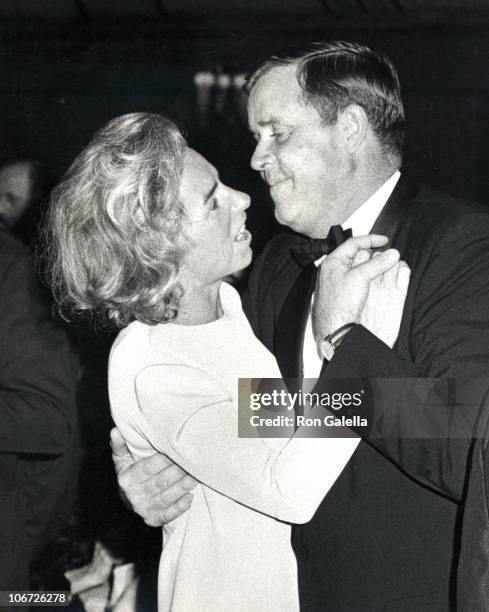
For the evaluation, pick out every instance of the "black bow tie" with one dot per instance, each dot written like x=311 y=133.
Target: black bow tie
x=313 y=248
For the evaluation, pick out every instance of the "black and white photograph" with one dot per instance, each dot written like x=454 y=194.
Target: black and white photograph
x=244 y=305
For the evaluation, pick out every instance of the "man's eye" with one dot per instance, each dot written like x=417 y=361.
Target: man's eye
x=213 y=204
x=279 y=136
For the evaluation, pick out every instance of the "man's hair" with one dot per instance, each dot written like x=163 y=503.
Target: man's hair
x=111 y=236
x=336 y=74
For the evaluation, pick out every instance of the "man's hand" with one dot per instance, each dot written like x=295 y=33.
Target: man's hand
x=153 y=487
x=343 y=282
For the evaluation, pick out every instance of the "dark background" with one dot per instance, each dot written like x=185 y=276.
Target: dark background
x=68 y=66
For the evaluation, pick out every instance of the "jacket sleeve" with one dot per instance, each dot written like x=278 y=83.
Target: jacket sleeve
x=191 y=418
x=414 y=421
x=37 y=366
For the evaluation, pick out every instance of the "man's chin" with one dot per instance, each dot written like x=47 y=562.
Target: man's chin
x=291 y=222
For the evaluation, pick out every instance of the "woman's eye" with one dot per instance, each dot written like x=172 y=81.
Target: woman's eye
x=213 y=204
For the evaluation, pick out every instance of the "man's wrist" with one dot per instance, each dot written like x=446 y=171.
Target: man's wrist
x=332 y=341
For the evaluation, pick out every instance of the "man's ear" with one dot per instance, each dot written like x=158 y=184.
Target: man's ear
x=354 y=126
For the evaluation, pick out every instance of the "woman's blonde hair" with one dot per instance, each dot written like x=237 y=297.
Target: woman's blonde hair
x=112 y=239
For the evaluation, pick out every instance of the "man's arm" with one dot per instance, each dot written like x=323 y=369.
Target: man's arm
x=448 y=322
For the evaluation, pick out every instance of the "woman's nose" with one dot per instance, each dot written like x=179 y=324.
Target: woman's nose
x=242 y=200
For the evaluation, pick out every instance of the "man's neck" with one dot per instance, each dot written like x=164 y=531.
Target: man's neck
x=364 y=217
x=363 y=187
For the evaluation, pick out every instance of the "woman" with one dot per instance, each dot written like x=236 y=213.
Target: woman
x=142 y=233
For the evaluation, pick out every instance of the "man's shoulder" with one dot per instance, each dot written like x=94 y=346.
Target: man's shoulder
x=440 y=220
x=11 y=249
x=16 y=265
x=446 y=209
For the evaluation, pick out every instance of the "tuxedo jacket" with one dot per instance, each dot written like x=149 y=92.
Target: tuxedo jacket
x=385 y=537
x=473 y=570
x=38 y=373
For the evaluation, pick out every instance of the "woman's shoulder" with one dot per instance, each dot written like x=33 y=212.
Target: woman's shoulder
x=134 y=347
x=230 y=298
x=128 y=348
x=139 y=345
x=128 y=337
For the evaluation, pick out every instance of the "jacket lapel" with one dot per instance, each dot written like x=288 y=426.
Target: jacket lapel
x=390 y=219
x=291 y=323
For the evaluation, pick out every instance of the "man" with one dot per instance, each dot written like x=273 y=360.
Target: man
x=38 y=375
x=473 y=569
x=24 y=185
x=329 y=130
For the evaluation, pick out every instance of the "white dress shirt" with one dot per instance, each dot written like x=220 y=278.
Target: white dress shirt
x=360 y=222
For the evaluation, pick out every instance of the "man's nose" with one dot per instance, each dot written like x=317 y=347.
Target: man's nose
x=261 y=157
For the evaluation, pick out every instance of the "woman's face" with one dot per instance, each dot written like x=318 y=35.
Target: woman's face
x=214 y=221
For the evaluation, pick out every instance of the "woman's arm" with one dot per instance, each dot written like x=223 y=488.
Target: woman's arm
x=190 y=418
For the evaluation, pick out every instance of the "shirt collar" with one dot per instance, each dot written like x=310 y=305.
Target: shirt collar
x=362 y=219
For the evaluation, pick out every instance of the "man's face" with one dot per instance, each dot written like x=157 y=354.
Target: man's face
x=15 y=191
x=302 y=160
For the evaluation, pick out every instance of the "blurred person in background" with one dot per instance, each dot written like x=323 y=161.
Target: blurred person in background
x=38 y=377
x=25 y=184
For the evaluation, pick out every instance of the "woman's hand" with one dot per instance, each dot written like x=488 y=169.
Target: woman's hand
x=383 y=308
x=344 y=279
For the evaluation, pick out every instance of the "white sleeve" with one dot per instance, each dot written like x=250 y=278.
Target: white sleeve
x=191 y=418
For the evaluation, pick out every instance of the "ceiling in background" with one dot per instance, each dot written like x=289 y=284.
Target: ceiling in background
x=56 y=12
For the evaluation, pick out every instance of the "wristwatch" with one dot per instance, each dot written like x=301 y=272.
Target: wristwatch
x=332 y=341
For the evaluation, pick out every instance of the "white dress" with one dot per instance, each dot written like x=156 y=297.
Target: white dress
x=173 y=389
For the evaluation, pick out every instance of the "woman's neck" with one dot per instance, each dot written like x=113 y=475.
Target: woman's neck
x=199 y=305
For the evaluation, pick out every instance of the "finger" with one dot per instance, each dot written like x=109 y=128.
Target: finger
x=170 y=484
x=172 y=476
x=173 y=512
x=174 y=493
x=118 y=443
x=132 y=472
x=157 y=471
x=378 y=265
x=403 y=277
x=361 y=257
x=389 y=277
x=158 y=464
x=349 y=248
x=121 y=456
